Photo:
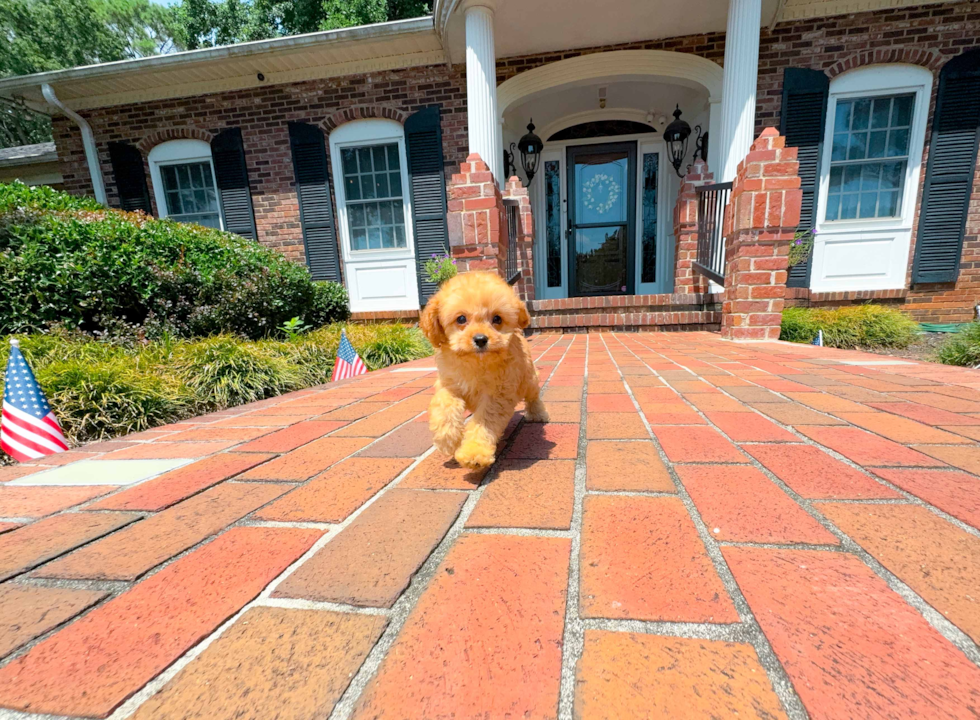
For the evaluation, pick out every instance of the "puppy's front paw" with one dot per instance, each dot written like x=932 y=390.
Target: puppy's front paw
x=536 y=412
x=447 y=438
x=475 y=455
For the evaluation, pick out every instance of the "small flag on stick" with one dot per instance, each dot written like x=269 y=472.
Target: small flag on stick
x=348 y=362
x=818 y=340
x=28 y=428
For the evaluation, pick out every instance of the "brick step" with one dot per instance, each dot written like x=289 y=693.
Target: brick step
x=668 y=311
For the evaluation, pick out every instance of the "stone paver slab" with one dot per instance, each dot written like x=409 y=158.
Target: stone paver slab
x=848 y=642
x=697 y=445
x=292 y=437
x=740 y=504
x=796 y=415
x=91 y=666
x=484 y=639
x=100 y=472
x=867 y=449
x=305 y=462
x=166 y=450
x=902 y=430
x=628 y=675
x=372 y=561
x=439 y=472
x=813 y=473
x=642 y=559
x=34 y=502
x=635 y=466
x=933 y=557
x=410 y=440
x=954 y=492
x=528 y=494
x=750 y=427
x=542 y=442
x=272 y=663
x=615 y=426
x=27 y=612
x=33 y=544
x=926 y=414
x=965 y=458
x=128 y=554
x=621 y=403
x=336 y=493
x=176 y=485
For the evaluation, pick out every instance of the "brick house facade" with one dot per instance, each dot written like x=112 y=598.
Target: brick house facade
x=926 y=36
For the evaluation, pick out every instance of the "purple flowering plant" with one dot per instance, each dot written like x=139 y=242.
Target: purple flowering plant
x=801 y=247
x=439 y=268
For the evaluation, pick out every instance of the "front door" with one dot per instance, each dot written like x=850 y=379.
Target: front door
x=601 y=219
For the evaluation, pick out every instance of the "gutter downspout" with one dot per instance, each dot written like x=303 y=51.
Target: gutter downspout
x=88 y=140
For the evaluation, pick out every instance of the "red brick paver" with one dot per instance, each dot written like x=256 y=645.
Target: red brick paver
x=809 y=486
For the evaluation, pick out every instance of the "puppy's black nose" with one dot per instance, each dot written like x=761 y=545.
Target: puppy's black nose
x=480 y=341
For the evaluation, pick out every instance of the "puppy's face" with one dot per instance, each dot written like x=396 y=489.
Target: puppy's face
x=473 y=314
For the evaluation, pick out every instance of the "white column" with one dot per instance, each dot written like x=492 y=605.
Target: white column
x=481 y=89
x=739 y=88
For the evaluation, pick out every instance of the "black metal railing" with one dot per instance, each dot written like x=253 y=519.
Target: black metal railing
x=712 y=201
x=513 y=210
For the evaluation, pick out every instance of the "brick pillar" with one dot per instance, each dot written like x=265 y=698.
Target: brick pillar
x=686 y=280
x=515 y=190
x=760 y=223
x=477 y=225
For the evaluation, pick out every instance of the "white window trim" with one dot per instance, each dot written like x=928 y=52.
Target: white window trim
x=179 y=152
x=873 y=81
x=883 y=242
x=361 y=133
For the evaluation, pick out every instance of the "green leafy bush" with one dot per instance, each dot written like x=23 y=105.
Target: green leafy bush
x=961 y=348
x=864 y=326
x=101 y=388
x=69 y=262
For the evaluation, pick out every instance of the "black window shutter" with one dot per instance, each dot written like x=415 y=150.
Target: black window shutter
x=427 y=181
x=950 y=171
x=802 y=121
x=315 y=209
x=127 y=169
x=228 y=154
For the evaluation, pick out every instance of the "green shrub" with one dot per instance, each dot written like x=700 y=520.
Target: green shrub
x=864 y=326
x=69 y=262
x=101 y=388
x=961 y=348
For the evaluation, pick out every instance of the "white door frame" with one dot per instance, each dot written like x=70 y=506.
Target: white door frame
x=552 y=151
x=377 y=280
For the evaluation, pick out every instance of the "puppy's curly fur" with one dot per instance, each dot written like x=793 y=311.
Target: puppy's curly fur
x=475 y=322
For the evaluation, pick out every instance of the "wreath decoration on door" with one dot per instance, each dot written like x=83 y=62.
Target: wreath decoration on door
x=597 y=186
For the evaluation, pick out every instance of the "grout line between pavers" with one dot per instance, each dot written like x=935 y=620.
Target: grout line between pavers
x=781 y=684
x=729 y=632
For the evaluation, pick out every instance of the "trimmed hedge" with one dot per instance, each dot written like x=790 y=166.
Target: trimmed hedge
x=105 y=388
x=69 y=262
x=859 y=326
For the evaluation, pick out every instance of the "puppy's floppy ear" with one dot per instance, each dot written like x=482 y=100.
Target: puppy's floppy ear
x=523 y=317
x=429 y=322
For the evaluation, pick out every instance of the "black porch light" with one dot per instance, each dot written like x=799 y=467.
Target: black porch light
x=530 y=147
x=676 y=136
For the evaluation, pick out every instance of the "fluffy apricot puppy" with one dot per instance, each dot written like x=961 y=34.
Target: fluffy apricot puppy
x=475 y=322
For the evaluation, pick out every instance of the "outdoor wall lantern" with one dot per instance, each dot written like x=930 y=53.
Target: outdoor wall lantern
x=676 y=136
x=530 y=147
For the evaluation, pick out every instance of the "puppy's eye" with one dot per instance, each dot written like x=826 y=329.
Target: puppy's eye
x=497 y=320
x=461 y=320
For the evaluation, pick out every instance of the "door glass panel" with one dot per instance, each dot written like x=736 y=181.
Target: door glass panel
x=600 y=188
x=552 y=190
x=372 y=180
x=648 y=260
x=600 y=257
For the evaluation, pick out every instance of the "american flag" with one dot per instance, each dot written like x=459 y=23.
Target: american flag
x=348 y=362
x=28 y=428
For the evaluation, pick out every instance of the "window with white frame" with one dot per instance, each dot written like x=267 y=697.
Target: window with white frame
x=374 y=196
x=183 y=182
x=869 y=156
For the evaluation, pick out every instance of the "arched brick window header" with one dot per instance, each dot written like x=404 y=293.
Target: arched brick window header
x=360 y=112
x=176 y=133
x=929 y=59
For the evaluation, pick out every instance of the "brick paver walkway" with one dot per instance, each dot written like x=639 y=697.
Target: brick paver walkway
x=704 y=529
